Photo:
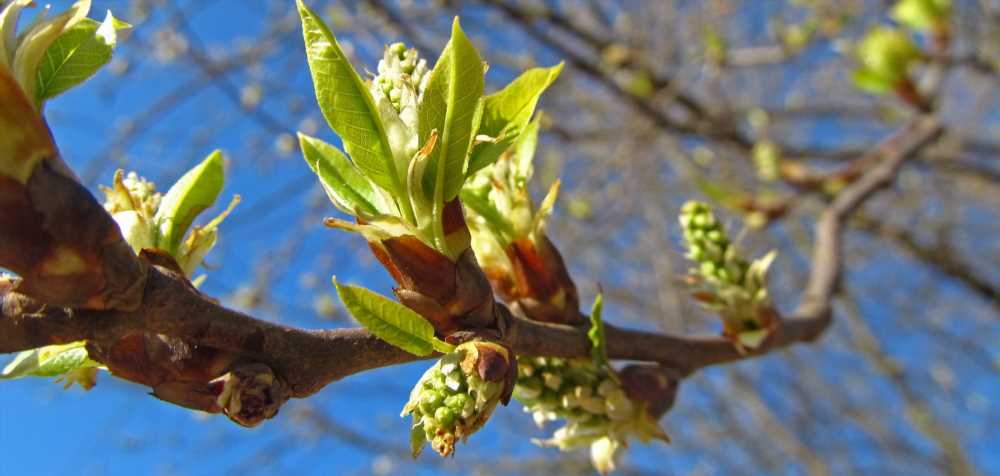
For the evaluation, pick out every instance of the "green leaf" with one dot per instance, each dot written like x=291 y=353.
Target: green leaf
x=507 y=112
x=76 y=55
x=450 y=105
x=545 y=208
x=348 y=106
x=515 y=103
x=49 y=361
x=481 y=205
x=192 y=194
x=486 y=153
x=388 y=319
x=344 y=184
x=524 y=150
x=598 y=351
x=417 y=440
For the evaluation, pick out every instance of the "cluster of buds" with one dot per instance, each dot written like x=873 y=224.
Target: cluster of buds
x=599 y=411
x=402 y=77
x=150 y=221
x=508 y=234
x=456 y=396
x=728 y=284
x=133 y=201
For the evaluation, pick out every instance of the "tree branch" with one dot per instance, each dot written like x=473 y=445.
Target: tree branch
x=306 y=361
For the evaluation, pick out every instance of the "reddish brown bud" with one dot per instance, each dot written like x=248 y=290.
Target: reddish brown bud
x=251 y=393
x=653 y=385
x=543 y=289
x=421 y=268
x=492 y=364
x=453 y=218
x=452 y=296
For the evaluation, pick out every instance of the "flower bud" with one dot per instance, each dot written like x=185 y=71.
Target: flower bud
x=731 y=286
x=457 y=395
x=598 y=410
x=250 y=394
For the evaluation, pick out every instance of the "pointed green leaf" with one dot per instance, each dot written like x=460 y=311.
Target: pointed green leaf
x=388 y=319
x=344 y=184
x=486 y=153
x=507 y=112
x=49 y=361
x=515 y=103
x=192 y=194
x=598 y=351
x=545 y=208
x=450 y=105
x=524 y=150
x=348 y=106
x=76 y=55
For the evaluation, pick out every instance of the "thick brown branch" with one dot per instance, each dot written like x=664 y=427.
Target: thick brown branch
x=309 y=360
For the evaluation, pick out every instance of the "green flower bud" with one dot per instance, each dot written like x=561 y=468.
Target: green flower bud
x=456 y=396
x=445 y=416
x=734 y=288
x=402 y=78
x=590 y=399
x=397 y=49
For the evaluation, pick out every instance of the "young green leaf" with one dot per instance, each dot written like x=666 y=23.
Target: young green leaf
x=349 y=108
x=27 y=48
x=344 y=184
x=482 y=206
x=49 y=361
x=76 y=55
x=487 y=152
x=450 y=105
x=515 y=103
x=192 y=194
x=598 y=351
x=390 y=320
x=524 y=150
x=507 y=112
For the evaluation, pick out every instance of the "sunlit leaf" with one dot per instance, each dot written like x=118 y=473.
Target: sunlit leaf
x=598 y=343
x=347 y=104
x=192 y=194
x=507 y=112
x=450 y=106
x=390 y=321
x=49 y=361
x=345 y=185
x=76 y=55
